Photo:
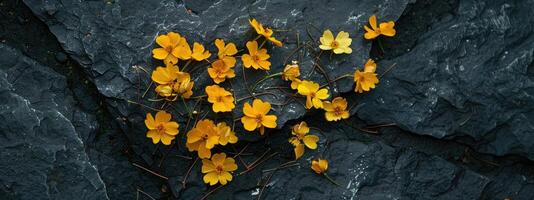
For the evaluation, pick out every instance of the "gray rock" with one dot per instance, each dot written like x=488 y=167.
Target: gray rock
x=469 y=75
x=42 y=154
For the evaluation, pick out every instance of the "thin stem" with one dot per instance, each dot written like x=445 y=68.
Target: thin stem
x=186 y=64
x=331 y=180
x=380 y=45
x=187 y=108
x=266 y=78
x=337 y=79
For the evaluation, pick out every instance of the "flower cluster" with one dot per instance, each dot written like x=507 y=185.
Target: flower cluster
x=173 y=81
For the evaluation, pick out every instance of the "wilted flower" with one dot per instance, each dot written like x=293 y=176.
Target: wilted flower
x=257 y=58
x=301 y=139
x=226 y=135
x=314 y=95
x=336 y=110
x=184 y=86
x=319 y=166
x=367 y=79
x=226 y=52
x=218 y=169
x=199 y=53
x=265 y=32
x=222 y=100
x=172 y=82
x=202 y=138
x=219 y=71
x=291 y=72
x=341 y=44
x=161 y=128
x=255 y=116
x=385 y=28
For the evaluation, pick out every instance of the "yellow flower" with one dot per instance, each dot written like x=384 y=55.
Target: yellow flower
x=182 y=50
x=219 y=71
x=341 y=44
x=367 y=79
x=255 y=116
x=226 y=52
x=218 y=169
x=222 y=100
x=167 y=45
x=336 y=110
x=385 y=28
x=314 y=95
x=256 y=58
x=202 y=138
x=226 y=135
x=299 y=131
x=162 y=128
x=291 y=72
x=295 y=83
x=199 y=53
x=184 y=85
x=264 y=31
x=319 y=166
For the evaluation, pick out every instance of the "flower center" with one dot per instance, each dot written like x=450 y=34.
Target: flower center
x=160 y=127
x=259 y=118
x=219 y=169
x=168 y=49
x=256 y=58
x=334 y=44
x=205 y=136
x=219 y=99
x=338 y=111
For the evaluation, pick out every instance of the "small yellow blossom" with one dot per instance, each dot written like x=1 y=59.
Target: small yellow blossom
x=226 y=52
x=199 y=53
x=314 y=95
x=165 y=75
x=301 y=139
x=385 y=28
x=257 y=58
x=319 y=166
x=203 y=138
x=264 y=31
x=291 y=72
x=226 y=135
x=184 y=86
x=218 y=169
x=367 y=79
x=167 y=43
x=336 y=110
x=219 y=71
x=255 y=116
x=161 y=128
x=222 y=100
x=341 y=44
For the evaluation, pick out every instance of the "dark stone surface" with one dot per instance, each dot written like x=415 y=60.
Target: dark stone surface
x=468 y=78
x=42 y=153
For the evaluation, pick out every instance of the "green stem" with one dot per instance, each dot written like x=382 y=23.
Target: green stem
x=380 y=45
x=262 y=43
x=265 y=78
x=257 y=37
x=331 y=180
x=186 y=64
x=187 y=108
x=338 y=78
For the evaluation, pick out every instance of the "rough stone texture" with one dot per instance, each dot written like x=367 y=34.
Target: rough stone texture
x=42 y=153
x=469 y=75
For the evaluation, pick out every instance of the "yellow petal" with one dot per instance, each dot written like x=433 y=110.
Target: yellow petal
x=159 y=53
x=326 y=40
x=311 y=141
x=211 y=178
x=166 y=139
x=299 y=151
x=203 y=152
x=250 y=124
x=207 y=166
x=150 y=122
x=252 y=47
x=387 y=28
x=163 y=41
x=248 y=111
x=224 y=178
x=229 y=165
x=218 y=158
x=269 y=121
x=317 y=103
x=163 y=116
x=247 y=60
x=261 y=107
x=154 y=135
x=322 y=94
x=372 y=22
